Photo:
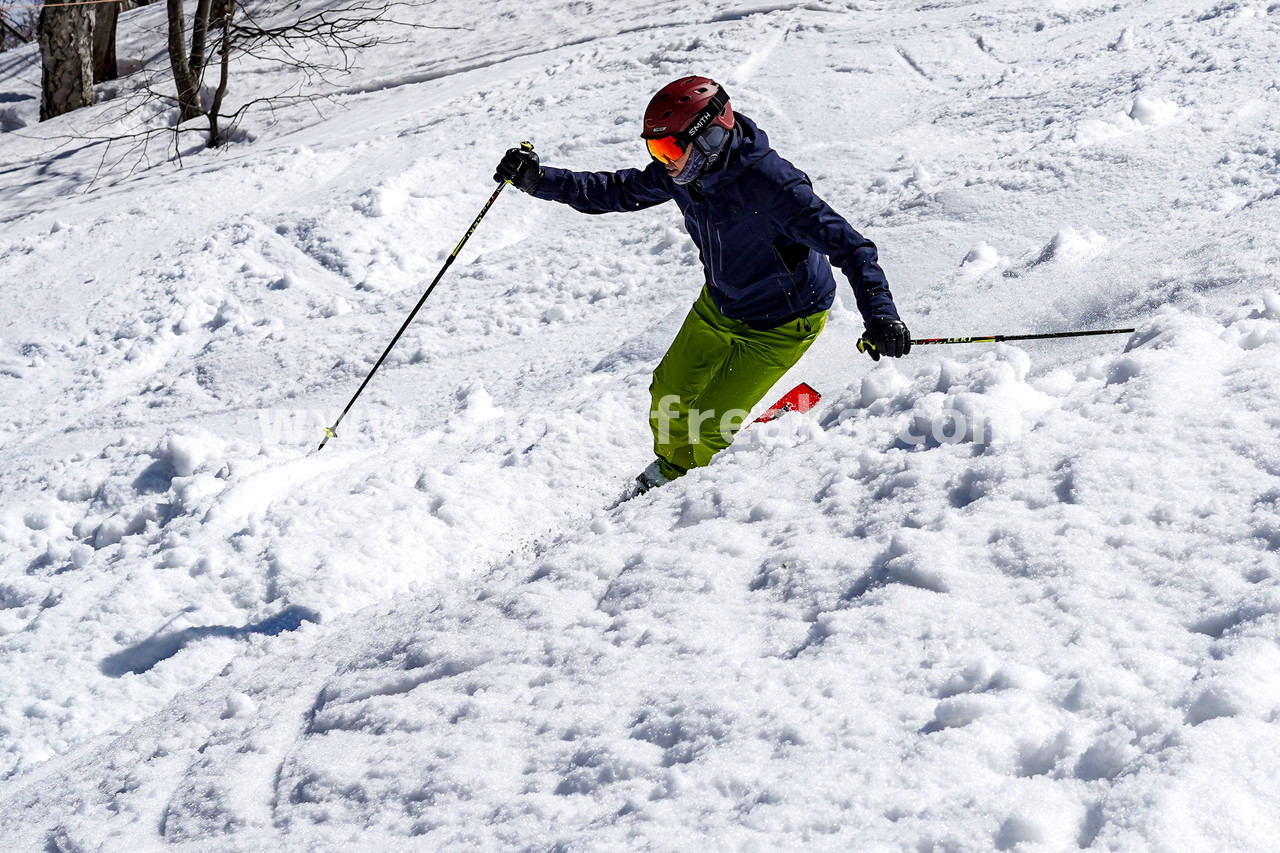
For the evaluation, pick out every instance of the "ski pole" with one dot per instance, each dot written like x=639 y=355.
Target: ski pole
x=332 y=432
x=864 y=345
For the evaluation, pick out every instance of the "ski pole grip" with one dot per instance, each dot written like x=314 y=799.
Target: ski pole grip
x=526 y=145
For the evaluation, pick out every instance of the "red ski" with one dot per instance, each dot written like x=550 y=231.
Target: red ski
x=801 y=398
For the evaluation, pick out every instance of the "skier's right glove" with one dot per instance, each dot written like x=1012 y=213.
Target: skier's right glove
x=885 y=336
x=520 y=166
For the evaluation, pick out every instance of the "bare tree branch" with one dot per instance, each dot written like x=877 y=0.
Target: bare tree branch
x=320 y=45
x=24 y=32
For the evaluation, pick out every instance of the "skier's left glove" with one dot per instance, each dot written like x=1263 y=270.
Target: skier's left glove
x=520 y=166
x=885 y=336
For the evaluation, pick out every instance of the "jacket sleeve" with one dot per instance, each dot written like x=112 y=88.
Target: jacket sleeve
x=606 y=192
x=800 y=215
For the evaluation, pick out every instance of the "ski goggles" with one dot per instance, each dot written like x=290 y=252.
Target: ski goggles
x=668 y=149
x=665 y=150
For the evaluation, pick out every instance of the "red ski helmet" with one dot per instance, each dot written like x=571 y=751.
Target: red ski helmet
x=683 y=110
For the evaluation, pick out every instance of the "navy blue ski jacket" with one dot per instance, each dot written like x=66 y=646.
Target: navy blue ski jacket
x=763 y=234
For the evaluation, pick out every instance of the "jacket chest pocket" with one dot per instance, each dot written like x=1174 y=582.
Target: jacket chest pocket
x=740 y=227
x=754 y=245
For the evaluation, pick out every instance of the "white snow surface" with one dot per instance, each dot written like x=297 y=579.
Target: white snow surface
x=983 y=597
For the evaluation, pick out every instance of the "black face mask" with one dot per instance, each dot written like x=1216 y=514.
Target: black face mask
x=705 y=153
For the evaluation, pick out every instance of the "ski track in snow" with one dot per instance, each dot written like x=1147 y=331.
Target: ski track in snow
x=1051 y=626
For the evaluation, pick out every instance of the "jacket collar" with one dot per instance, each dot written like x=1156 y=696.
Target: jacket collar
x=747 y=146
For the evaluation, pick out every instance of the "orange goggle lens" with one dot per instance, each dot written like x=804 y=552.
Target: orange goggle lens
x=665 y=150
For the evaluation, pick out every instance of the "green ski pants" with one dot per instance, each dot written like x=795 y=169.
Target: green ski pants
x=714 y=372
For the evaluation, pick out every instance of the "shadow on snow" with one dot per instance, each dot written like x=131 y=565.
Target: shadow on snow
x=159 y=647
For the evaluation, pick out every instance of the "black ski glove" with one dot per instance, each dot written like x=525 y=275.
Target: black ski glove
x=885 y=336
x=520 y=166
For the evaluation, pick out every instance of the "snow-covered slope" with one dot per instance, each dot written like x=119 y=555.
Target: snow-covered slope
x=980 y=598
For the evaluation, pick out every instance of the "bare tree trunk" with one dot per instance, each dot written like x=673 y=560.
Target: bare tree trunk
x=224 y=52
x=66 y=58
x=199 y=35
x=187 y=85
x=104 y=41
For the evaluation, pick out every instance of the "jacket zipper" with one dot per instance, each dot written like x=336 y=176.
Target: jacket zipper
x=715 y=243
x=711 y=250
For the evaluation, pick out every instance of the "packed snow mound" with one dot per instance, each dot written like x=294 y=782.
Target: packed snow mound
x=979 y=598
x=798 y=643
x=1151 y=110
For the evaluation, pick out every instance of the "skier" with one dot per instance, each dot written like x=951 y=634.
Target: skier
x=764 y=238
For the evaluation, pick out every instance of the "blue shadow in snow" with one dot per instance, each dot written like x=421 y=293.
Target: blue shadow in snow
x=139 y=658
